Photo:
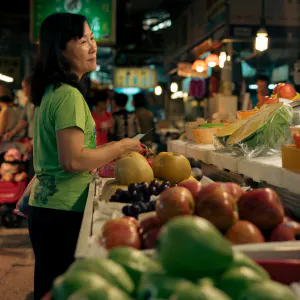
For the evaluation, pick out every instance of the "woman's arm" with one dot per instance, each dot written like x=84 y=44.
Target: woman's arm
x=74 y=158
x=3 y=120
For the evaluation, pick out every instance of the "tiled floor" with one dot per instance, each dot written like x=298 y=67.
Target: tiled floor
x=16 y=264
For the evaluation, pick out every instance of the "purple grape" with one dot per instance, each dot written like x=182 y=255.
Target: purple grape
x=119 y=191
x=126 y=210
x=115 y=198
x=137 y=198
x=143 y=206
x=152 y=190
x=154 y=183
x=152 y=205
x=132 y=188
x=147 y=197
x=135 y=209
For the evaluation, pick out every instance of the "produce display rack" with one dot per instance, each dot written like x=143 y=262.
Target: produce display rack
x=222 y=165
x=87 y=245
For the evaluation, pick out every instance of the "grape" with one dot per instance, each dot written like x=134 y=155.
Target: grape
x=126 y=210
x=135 y=209
x=152 y=190
x=144 y=188
x=152 y=205
x=114 y=198
x=132 y=188
x=119 y=191
x=166 y=183
x=173 y=184
x=143 y=206
x=154 y=183
x=147 y=197
x=137 y=198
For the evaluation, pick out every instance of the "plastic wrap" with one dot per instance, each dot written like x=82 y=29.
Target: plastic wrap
x=264 y=133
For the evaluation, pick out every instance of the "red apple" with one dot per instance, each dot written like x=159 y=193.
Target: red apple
x=293 y=224
x=244 y=232
x=278 y=87
x=133 y=220
x=173 y=202
x=149 y=223
x=149 y=238
x=215 y=204
x=234 y=190
x=120 y=232
x=192 y=185
x=281 y=233
x=262 y=207
x=287 y=91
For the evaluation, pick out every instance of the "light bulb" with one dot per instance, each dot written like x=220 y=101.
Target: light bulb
x=174 y=87
x=158 y=90
x=199 y=69
x=212 y=64
x=222 y=59
x=262 y=40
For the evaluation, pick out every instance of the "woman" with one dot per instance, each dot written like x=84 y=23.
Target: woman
x=26 y=120
x=64 y=144
x=8 y=116
x=103 y=119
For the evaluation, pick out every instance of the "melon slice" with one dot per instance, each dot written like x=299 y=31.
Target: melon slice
x=223 y=134
x=266 y=130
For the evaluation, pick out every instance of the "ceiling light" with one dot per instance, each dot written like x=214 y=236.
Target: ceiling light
x=158 y=90
x=6 y=78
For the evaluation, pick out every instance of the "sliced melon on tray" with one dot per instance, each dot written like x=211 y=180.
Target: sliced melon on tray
x=223 y=134
x=266 y=130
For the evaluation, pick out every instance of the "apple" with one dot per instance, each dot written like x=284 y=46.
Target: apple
x=149 y=238
x=120 y=232
x=281 y=233
x=277 y=88
x=262 y=207
x=293 y=224
x=149 y=223
x=216 y=205
x=193 y=186
x=244 y=232
x=133 y=220
x=234 y=190
x=287 y=91
x=173 y=202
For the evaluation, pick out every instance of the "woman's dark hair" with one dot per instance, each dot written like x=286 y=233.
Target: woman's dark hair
x=52 y=67
x=139 y=100
x=6 y=99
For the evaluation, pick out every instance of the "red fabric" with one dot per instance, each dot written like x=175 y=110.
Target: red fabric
x=102 y=124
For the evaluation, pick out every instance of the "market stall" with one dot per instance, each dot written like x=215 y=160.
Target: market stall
x=154 y=227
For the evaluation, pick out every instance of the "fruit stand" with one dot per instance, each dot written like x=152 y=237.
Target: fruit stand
x=156 y=228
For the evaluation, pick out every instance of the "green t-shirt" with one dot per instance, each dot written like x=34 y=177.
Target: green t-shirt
x=54 y=188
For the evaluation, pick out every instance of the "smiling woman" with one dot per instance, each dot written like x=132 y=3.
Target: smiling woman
x=64 y=144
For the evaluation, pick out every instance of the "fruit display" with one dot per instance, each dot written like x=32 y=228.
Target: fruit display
x=139 y=196
x=192 y=261
x=256 y=216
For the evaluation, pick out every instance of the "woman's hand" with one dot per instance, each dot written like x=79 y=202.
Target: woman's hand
x=130 y=145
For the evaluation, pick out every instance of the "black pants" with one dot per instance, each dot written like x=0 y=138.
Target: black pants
x=53 y=235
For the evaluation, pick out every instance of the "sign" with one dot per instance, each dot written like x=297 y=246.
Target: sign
x=185 y=70
x=100 y=14
x=143 y=78
x=11 y=66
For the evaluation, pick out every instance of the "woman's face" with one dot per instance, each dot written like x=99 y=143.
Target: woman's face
x=81 y=53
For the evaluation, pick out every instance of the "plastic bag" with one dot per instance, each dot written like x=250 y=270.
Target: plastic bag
x=264 y=133
x=22 y=205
